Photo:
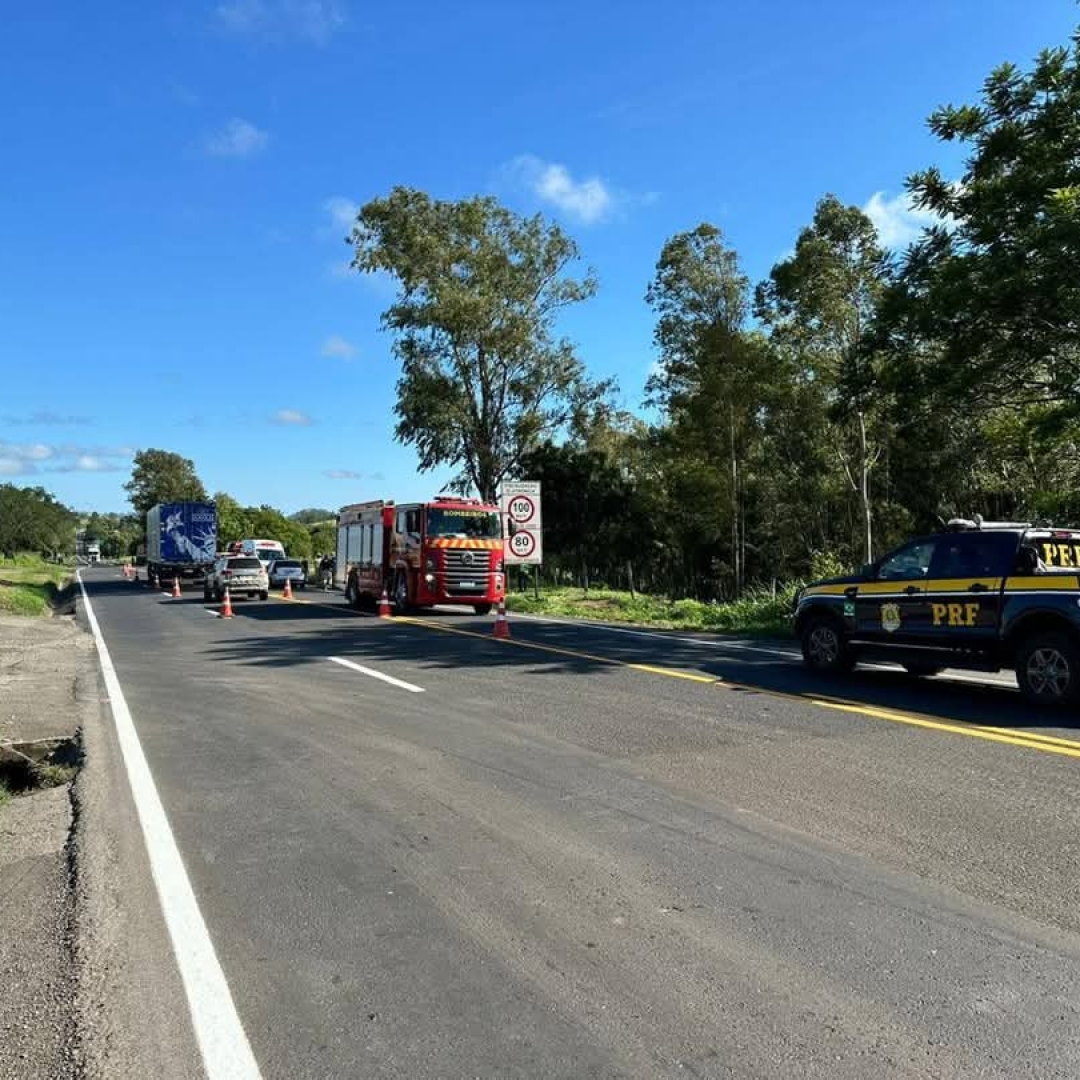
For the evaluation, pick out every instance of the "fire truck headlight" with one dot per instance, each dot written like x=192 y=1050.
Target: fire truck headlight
x=498 y=581
x=429 y=578
x=430 y=563
x=498 y=566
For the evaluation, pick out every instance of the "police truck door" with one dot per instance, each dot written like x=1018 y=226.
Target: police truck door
x=963 y=588
x=891 y=609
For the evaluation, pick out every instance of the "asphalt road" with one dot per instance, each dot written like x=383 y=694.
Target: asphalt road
x=592 y=853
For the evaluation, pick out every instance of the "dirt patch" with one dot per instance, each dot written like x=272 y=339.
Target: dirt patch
x=40 y=661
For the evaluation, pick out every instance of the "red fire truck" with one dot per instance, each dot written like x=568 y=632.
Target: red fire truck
x=447 y=551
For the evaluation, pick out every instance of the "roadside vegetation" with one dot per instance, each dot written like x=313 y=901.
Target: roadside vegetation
x=29 y=584
x=758 y=611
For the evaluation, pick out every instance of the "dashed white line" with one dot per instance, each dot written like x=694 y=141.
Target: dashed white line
x=224 y=1046
x=400 y=683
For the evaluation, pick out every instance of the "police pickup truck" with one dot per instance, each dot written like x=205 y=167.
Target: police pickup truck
x=981 y=595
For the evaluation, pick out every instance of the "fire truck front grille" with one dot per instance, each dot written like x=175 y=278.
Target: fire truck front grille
x=466 y=572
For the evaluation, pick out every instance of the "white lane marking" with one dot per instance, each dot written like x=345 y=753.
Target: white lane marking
x=224 y=1046
x=377 y=675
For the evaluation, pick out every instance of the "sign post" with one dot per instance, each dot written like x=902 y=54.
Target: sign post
x=522 y=528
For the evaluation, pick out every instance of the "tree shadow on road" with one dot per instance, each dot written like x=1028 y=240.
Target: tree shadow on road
x=295 y=634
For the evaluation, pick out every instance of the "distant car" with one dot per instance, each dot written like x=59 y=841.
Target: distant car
x=239 y=574
x=294 y=570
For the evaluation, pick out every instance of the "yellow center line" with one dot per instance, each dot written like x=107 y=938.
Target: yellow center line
x=1048 y=744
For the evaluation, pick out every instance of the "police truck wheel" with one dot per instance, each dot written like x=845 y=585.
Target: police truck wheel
x=482 y=609
x=1048 y=669
x=923 y=670
x=824 y=648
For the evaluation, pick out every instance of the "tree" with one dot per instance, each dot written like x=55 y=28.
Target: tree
x=820 y=304
x=323 y=537
x=161 y=476
x=987 y=309
x=266 y=523
x=31 y=519
x=233 y=520
x=712 y=370
x=484 y=376
x=313 y=516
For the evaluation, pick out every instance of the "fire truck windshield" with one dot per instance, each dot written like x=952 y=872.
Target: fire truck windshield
x=464 y=524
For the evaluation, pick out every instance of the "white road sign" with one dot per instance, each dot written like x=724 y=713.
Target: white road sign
x=522 y=521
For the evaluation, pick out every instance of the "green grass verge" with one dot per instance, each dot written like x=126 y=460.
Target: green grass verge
x=28 y=584
x=758 y=612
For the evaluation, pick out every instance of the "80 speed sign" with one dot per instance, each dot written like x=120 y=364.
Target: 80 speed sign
x=522 y=544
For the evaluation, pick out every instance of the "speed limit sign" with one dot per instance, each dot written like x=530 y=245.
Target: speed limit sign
x=523 y=544
x=521 y=509
x=522 y=522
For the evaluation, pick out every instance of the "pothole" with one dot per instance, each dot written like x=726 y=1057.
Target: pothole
x=40 y=763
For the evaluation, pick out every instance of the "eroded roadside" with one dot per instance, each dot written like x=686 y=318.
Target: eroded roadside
x=46 y=674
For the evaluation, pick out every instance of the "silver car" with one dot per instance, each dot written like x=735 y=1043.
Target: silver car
x=293 y=570
x=239 y=574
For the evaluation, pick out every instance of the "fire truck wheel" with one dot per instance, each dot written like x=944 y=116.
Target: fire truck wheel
x=482 y=609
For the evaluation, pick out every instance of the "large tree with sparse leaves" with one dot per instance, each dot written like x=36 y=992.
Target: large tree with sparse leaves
x=485 y=376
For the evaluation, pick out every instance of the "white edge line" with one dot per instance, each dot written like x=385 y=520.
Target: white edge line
x=400 y=683
x=224 y=1046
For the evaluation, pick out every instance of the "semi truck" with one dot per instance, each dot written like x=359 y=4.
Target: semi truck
x=181 y=542
x=447 y=551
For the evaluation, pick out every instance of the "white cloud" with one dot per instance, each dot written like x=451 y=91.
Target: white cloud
x=16 y=466
x=238 y=138
x=342 y=474
x=292 y=416
x=335 y=345
x=23 y=459
x=587 y=201
x=314 y=21
x=87 y=463
x=897 y=220
x=342 y=211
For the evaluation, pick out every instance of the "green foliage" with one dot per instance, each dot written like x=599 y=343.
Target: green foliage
x=758 y=612
x=28 y=584
x=118 y=534
x=31 y=519
x=985 y=311
x=313 y=516
x=161 y=476
x=323 y=538
x=484 y=376
x=266 y=523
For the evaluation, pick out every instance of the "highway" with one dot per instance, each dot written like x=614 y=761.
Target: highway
x=586 y=852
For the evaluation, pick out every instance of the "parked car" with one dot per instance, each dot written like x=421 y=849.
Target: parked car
x=240 y=574
x=282 y=570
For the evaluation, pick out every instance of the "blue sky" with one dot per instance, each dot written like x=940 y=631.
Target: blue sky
x=178 y=178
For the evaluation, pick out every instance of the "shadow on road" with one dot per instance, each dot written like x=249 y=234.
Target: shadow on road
x=444 y=640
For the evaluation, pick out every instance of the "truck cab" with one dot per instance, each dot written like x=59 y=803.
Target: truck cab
x=980 y=595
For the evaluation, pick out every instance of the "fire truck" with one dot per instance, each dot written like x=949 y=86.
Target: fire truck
x=447 y=551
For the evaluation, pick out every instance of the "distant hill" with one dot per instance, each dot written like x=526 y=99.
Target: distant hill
x=312 y=515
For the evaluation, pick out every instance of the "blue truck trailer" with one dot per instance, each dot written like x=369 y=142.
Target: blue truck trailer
x=181 y=542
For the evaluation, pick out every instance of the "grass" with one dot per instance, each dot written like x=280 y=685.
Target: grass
x=758 y=612
x=28 y=584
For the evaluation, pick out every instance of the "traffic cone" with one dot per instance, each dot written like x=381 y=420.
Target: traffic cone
x=226 y=607
x=287 y=593
x=384 y=606
x=502 y=627
x=176 y=587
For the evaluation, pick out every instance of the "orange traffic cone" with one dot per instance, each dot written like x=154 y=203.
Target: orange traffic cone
x=226 y=607
x=287 y=593
x=502 y=627
x=176 y=587
x=384 y=606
